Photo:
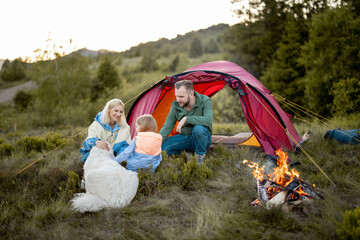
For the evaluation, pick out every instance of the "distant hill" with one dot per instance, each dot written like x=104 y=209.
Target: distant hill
x=1 y=62
x=180 y=43
x=87 y=52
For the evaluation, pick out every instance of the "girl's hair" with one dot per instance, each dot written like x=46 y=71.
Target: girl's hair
x=105 y=117
x=146 y=123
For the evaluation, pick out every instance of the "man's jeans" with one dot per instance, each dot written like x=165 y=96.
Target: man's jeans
x=198 y=142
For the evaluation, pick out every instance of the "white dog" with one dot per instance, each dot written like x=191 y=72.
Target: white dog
x=107 y=183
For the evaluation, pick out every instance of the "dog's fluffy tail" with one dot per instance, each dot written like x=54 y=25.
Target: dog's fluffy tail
x=88 y=203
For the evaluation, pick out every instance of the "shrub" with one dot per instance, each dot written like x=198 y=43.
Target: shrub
x=48 y=185
x=39 y=144
x=350 y=226
x=71 y=185
x=54 y=140
x=22 y=100
x=28 y=144
x=6 y=149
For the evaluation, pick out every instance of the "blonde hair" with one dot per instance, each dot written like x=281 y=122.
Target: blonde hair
x=105 y=117
x=146 y=123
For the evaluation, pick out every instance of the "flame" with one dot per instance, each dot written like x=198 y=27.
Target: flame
x=281 y=174
x=258 y=173
x=301 y=192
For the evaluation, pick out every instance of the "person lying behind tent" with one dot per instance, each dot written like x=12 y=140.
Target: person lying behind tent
x=195 y=115
x=145 y=150
x=109 y=126
x=344 y=136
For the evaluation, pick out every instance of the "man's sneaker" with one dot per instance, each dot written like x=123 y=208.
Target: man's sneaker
x=200 y=159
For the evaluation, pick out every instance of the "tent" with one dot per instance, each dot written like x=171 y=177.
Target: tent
x=270 y=125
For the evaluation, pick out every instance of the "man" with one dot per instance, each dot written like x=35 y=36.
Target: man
x=195 y=116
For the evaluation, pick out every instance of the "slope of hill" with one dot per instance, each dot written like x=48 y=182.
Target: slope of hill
x=181 y=42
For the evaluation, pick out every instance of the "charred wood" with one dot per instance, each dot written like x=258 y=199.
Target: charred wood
x=313 y=192
x=261 y=189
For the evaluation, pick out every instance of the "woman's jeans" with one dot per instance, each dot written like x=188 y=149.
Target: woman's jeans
x=198 y=142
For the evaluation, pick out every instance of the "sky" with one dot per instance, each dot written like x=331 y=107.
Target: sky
x=116 y=25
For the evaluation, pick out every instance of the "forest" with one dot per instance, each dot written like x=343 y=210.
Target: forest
x=307 y=52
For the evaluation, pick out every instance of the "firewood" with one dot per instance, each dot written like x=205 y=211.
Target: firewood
x=262 y=193
x=277 y=200
x=313 y=192
x=280 y=198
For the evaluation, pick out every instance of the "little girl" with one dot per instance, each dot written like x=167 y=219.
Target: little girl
x=145 y=150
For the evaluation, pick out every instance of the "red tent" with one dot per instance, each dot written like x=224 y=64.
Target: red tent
x=268 y=122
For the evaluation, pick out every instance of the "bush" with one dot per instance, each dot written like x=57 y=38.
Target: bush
x=6 y=149
x=54 y=140
x=22 y=100
x=39 y=144
x=28 y=144
x=350 y=226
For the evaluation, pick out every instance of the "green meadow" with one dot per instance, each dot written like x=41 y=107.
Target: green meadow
x=179 y=200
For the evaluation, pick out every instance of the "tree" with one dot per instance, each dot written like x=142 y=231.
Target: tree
x=107 y=79
x=13 y=71
x=331 y=54
x=284 y=73
x=5 y=70
x=253 y=43
x=6 y=64
x=212 y=47
x=242 y=44
x=346 y=94
x=196 y=48
x=174 y=64
x=148 y=61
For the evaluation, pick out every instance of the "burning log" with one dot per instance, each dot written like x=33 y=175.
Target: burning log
x=283 y=186
x=312 y=191
x=261 y=189
x=281 y=197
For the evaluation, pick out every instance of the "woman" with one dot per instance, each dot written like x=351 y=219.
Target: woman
x=109 y=127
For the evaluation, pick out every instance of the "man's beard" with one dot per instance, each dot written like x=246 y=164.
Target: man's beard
x=185 y=104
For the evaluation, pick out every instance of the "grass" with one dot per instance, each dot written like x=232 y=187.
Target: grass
x=180 y=201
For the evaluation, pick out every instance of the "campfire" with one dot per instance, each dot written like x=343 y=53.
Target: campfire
x=281 y=186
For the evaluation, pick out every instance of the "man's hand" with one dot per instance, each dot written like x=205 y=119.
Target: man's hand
x=102 y=145
x=181 y=123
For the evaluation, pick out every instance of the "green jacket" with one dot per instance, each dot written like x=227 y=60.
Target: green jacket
x=200 y=114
